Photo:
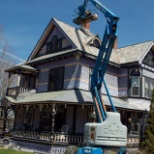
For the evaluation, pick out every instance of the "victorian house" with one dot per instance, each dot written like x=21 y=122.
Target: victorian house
x=52 y=101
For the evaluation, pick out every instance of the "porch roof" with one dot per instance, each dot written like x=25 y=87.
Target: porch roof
x=71 y=97
x=22 y=68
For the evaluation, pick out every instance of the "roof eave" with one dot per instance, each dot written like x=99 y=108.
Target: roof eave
x=16 y=69
x=130 y=64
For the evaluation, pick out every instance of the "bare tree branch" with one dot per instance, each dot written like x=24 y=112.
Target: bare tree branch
x=5 y=63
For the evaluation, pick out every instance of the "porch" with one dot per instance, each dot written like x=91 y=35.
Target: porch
x=40 y=116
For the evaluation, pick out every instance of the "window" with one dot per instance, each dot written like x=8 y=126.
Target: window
x=56 y=78
x=148 y=87
x=90 y=73
x=31 y=82
x=96 y=43
x=152 y=87
x=135 y=86
x=54 y=45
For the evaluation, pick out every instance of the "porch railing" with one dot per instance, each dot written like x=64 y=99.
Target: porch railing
x=55 y=138
x=133 y=141
x=66 y=139
x=15 y=91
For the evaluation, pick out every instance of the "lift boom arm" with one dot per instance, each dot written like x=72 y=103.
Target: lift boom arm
x=109 y=132
x=97 y=77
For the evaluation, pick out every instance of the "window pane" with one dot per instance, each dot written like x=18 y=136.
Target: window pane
x=146 y=92
x=135 y=91
x=52 y=73
x=49 y=47
x=135 y=81
x=59 y=72
x=54 y=43
x=135 y=88
x=56 y=76
x=60 y=44
x=152 y=87
x=52 y=85
x=146 y=83
x=59 y=84
x=147 y=87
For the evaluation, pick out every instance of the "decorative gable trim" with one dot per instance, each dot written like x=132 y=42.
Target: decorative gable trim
x=146 y=52
x=45 y=34
x=41 y=40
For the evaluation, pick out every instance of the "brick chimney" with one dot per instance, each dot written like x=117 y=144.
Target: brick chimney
x=115 y=46
x=86 y=25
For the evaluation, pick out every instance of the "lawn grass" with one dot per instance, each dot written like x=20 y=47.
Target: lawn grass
x=10 y=151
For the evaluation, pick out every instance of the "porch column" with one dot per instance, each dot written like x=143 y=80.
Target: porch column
x=14 y=108
x=53 y=112
x=40 y=107
x=26 y=118
x=36 y=80
x=7 y=91
x=5 y=117
x=1 y=110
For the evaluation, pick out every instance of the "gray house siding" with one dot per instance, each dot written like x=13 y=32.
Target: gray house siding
x=65 y=43
x=77 y=73
x=76 y=76
x=42 y=51
x=112 y=83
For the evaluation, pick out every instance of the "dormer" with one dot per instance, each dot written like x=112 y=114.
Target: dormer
x=95 y=42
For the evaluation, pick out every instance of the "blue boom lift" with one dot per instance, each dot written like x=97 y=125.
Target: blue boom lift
x=108 y=133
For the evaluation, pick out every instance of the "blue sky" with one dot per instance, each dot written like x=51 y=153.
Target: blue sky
x=24 y=21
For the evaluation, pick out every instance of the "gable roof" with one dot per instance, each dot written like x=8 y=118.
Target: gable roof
x=79 y=38
x=134 y=53
x=76 y=36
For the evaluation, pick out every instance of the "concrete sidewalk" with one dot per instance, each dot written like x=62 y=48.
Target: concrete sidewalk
x=5 y=144
x=1 y=142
